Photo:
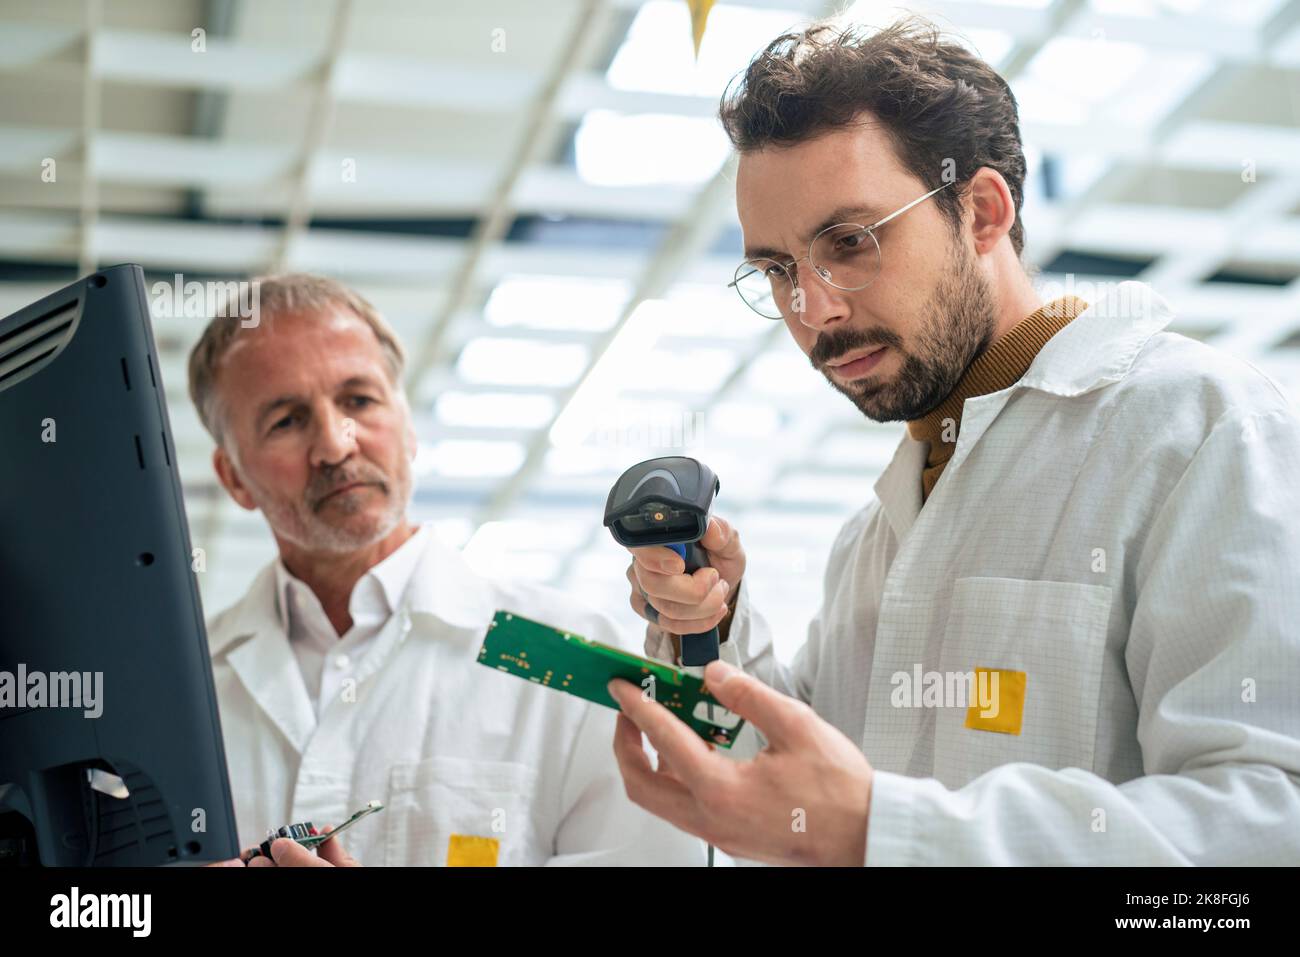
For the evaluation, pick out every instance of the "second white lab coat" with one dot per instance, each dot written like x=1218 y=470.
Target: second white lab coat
x=1122 y=526
x=450 y=747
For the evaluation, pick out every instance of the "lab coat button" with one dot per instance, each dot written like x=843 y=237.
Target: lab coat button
x=341 y=661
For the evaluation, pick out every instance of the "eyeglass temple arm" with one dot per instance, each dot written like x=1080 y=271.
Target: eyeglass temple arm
x=900 y=212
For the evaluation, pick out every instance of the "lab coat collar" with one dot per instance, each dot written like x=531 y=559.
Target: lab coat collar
x=254 y=612
x=446 y=588
x=899 y=485
x=1099 y=346
x=266 y=665
x=442 y=587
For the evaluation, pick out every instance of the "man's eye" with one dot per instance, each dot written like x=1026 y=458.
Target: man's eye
x=282 y=423
x=361 y=401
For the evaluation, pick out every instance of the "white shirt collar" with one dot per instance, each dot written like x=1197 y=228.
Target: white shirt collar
x=442 y=586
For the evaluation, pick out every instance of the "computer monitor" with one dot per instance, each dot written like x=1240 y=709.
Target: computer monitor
x=104 y=666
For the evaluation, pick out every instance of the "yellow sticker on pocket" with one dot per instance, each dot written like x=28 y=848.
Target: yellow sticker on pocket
x=466 y=851
x=999 y=701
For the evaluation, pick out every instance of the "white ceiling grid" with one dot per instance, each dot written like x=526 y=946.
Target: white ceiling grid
x=574 y=143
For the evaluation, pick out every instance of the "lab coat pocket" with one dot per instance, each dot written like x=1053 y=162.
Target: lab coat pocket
x=1033 y=653
x=459 y=811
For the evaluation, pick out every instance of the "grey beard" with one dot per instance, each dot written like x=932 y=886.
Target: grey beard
x=299 y=524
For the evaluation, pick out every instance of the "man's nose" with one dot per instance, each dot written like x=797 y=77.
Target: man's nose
x=335 y=439
x=816 y=304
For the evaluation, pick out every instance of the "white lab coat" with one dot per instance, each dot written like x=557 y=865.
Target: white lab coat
x=1123 y=526
x=449 y=746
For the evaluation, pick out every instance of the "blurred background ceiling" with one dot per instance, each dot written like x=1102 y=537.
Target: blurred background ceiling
x=538 y=197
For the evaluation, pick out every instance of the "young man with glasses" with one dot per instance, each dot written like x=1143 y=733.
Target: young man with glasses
x=1065 y=630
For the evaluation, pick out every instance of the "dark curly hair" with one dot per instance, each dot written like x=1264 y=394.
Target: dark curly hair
x=936 y=100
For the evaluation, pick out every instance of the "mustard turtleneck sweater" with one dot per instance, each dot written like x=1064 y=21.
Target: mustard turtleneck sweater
x=998 y=367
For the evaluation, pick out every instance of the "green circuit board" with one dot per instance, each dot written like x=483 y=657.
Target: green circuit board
x=315 y=840
x=559 y=659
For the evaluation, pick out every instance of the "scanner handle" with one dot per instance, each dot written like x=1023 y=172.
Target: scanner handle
x=697 y=650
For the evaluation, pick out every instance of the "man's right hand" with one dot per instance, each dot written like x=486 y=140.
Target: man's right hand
x=682 y=604
x=286 y=852
x=289 y=853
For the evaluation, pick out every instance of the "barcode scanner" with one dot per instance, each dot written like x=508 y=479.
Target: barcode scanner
x=666 y=501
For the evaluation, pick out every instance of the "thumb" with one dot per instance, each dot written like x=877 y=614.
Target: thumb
x=778 y=716
x=287 y=852
x=720 y=539
x=333 y=851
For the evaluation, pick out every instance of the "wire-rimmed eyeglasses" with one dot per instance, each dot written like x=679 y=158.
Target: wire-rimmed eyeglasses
x=845 y=256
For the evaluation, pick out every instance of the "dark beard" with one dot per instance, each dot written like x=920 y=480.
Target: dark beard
x=959 y=324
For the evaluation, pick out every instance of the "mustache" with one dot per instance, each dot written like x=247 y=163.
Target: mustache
x=831 y=345
x=327 y=481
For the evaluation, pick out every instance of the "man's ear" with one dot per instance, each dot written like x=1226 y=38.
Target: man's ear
x=993 y=211
x=230 y=480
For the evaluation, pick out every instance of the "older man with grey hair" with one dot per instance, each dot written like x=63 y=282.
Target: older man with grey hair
x=348 y=672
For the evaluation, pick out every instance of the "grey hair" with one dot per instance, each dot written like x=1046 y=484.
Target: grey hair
x=279 y=295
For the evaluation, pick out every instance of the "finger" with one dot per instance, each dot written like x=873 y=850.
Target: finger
x=720 y=540
x=332 y=851
x=678 y=625
x=713 y=604
x=657 y=558
x=690 y=626
x=637 y=598
x=643 y=607
x=289 y=853
x=628 y=736
x=628 y=747
x=261 y=861
x=669 y=736
x=687 y=620
x=664 y=797
x=782 y=719
x=233 y=862
x=688 y=589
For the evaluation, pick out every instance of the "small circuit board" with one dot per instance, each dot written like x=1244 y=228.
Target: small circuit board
x=307 y=833
x=559 y=659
